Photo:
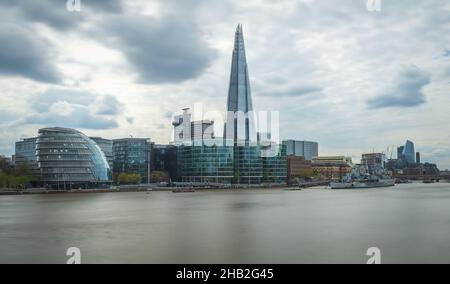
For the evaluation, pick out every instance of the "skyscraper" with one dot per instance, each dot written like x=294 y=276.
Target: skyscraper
x=240 y=127
x=240 y=116
x=409 y=154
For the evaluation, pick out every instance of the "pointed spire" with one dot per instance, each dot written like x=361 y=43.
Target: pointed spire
x=239 y=94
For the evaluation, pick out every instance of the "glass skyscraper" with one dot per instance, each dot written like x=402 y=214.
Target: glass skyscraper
x=409 y=153
x=239 y=95
x=240 y=160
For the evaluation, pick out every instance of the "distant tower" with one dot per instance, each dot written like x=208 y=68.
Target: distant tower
x=239 y=95
x=409 y=153
x=418 y=157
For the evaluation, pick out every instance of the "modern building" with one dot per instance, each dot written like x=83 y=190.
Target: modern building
x=409 y=154
x=306 y=149
x=373 y=162
x=133 y=156
x=69 y=159
x=6 y=163
x=239 y=128
x=275 y=167
x=418 y=158
x=106 y=145
x=203 y=129
x=239 y=159
x=164 y=159
x=182 y=130
x=332 y=168
x=187 y=131
x=206 y=164
x=25 y=152
x=298 y=167
x=400 y=152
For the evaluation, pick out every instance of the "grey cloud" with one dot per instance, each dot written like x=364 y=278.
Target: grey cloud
x=23 y=53
x=164 y=50
x=81 y=117
x=54 y=13
x=77 y=109
x=291 y=91
x=407 y=91
x=446 y=53
x=130 y=120
x=109 y=105
x=43 y=101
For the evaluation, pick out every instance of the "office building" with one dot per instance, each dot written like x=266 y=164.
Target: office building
x=298 y=167
x=25 y=153
x=373 y=162
x=275 y=167
x=331 y=168
x=206 y=164
x=69 y=159
x=164 y=159
x=306 y=149
x=409 y=154
x=133 y=156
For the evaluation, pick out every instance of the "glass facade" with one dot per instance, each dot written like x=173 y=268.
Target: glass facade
x=275 y=168
x=132 y=156
x=409 y=154
x=106 y=145
x=206 y=164
x=164 y=158
x=247 y=165
x=239 y=94
x=70 y=158
x=306 y=149
x=25 y=152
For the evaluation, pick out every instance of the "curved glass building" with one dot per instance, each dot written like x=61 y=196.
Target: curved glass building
x=69 y=159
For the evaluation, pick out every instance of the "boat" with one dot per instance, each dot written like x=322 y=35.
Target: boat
x=363 y=184
x=362 y=178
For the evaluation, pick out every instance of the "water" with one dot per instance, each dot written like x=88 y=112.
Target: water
x=409 y=223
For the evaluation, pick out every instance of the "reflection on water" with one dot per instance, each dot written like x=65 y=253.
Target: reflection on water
x=409 y=223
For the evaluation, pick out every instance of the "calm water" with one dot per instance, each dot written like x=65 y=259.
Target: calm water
x=409 y=223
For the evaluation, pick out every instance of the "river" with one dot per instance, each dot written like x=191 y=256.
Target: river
x=409 y=224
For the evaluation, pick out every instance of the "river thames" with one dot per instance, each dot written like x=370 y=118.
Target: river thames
x=409 y=223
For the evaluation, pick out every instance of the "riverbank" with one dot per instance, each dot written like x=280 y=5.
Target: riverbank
x=138 y=189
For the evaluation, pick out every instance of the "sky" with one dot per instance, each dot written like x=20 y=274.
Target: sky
x=352 y=79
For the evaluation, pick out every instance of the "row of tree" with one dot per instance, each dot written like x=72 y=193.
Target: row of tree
x=19 y=177
x=135 y=178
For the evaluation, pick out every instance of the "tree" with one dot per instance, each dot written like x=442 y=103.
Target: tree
x=159 y=176
x=125 y=178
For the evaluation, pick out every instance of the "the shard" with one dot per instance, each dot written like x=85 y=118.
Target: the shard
x=240 y=115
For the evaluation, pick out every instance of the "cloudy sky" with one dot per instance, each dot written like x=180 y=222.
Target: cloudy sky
x=353 y=80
